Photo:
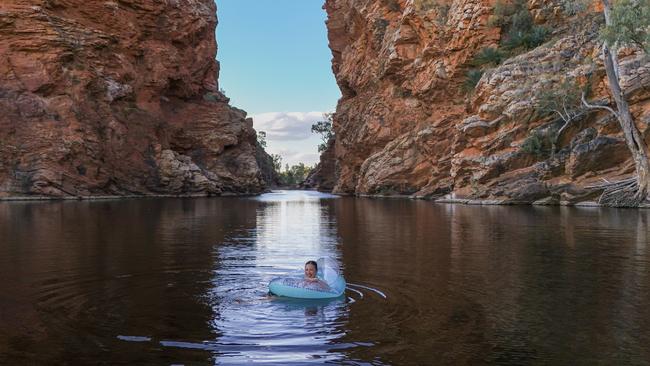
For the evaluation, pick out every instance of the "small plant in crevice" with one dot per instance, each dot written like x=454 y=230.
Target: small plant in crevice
x=525 y=40
x=440 y=7
x=401 y=92
x=574 y=7
x=488 y=56
x=472 y=77
x=392 y=5
x=540 y=143
x=210 y=97
x=380 y=25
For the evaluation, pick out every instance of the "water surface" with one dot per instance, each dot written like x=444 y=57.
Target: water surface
x=183 y=281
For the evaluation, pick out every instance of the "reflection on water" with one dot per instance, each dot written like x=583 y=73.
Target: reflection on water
x=290 y=229
x=183 y=281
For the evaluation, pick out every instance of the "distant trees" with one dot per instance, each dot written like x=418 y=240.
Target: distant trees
x=277 y=162
x=295 y=174
x=324 y=129
x=291 y=175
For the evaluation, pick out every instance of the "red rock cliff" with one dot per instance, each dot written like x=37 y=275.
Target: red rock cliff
x=117 y=97
x=405 y=126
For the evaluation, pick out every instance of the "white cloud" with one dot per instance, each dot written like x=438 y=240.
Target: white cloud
x=293 y=157
x=289 y=135
x=286 y=126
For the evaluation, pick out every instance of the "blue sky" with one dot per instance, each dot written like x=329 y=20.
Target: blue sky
x=275 y=64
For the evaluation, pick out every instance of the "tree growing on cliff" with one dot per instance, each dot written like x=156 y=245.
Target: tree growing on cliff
x=261 y=139
x=563 y=101
x=324 y=129
x=627 y=22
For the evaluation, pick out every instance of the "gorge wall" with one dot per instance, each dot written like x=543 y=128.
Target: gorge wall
x=118 y=98
x=407 y=123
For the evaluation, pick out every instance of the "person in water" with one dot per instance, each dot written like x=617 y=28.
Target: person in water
x=311 y=268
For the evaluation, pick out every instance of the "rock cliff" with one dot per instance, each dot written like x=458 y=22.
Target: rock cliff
x=412 y=122
x=323 y=176
x=117 y=98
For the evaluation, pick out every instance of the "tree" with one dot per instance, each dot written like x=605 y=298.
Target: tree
x=261 y=139
x=295 y=174
x=324 y=129
x=564 y=102
x=627 y=22
x=277 y=162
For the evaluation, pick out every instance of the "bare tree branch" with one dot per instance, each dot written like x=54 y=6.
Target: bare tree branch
x=596 y=106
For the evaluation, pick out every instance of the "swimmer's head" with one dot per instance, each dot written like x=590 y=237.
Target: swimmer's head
x=311 y=268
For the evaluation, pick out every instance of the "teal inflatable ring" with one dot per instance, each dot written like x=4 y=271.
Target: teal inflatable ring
x=329 y=284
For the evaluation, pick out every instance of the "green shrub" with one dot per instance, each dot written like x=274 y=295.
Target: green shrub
x=518 y=30
x=472 y=77
x=574 y=7
x=502 y=12
x=540 y=143
x=488 y=56
x=563 y=100
x=526 y=40
x=400 y=92
x=209 y=97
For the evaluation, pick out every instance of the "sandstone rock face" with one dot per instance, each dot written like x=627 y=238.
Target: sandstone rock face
x=117 y=97
x=406 y=126
x=323 y=176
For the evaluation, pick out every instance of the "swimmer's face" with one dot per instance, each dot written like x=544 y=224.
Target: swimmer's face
x=310 y=271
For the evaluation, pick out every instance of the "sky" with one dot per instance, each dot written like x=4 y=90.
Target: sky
x=276 y=65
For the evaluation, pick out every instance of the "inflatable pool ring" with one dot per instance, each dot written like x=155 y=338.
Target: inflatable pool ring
x=330 y=283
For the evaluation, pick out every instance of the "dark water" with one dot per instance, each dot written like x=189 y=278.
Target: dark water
x=183 y=281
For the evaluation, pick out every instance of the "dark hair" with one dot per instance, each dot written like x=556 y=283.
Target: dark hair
x=314 y=263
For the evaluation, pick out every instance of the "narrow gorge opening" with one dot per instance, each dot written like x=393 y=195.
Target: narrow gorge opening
x=275 y=64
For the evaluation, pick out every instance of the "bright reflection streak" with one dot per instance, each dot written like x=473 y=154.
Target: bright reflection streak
x=291 y=228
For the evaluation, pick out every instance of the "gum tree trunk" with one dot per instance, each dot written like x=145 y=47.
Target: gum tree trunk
x=633 y=137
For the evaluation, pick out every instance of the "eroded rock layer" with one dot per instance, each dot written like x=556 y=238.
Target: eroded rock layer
x=117 y=97
x=407 y=125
